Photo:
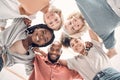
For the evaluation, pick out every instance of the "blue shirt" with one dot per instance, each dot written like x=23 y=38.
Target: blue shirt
x=101 y=18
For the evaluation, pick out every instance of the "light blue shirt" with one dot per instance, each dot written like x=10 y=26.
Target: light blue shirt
x=101 y=18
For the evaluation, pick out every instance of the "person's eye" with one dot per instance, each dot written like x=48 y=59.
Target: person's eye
x=75 y=20
x=48 y=17
x=46 y=39
x=70 y=23
x=73 y=28
x=43 y=32
x=76 y=41
x=56 y=19
x=58 y=50
x=52 y=49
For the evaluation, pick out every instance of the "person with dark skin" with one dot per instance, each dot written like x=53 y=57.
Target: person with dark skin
x=47 y=66
x=17 y=41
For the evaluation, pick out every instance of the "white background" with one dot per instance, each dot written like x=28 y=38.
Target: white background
x=67 y=6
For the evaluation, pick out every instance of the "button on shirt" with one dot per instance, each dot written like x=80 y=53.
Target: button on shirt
x=45 y=70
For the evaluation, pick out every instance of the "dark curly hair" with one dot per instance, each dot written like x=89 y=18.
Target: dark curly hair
x=31 y=29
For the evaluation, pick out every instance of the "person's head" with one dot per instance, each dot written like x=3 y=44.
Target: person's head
x=75 y=43
x=54 y=51
x=75 y=24
x=53 y=18
x=41 y=35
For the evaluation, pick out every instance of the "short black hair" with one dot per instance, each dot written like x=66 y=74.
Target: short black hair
x=31 y=29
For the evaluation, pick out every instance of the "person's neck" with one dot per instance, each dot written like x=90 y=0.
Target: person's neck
x=27 y=42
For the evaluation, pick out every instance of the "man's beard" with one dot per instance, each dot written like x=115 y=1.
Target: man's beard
x=51 y=60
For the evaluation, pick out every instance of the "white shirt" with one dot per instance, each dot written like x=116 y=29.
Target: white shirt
x=10 y=35
x=10 y=9
x=115 y=5
x=88 y=66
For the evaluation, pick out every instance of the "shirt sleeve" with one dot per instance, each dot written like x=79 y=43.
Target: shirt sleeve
x=3 y=22
x=96 y=43
x=71 y=62
x=9 y=34
x=29 y=68
x=110 y=41
x=76 y=75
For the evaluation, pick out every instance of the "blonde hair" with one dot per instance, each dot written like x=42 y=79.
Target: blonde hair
x=57 y=11
x=81 y=31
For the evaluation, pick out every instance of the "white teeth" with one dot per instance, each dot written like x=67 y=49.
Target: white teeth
x=37 y=38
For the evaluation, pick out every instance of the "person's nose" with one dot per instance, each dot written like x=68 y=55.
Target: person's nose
x=54 y=52
x=41 y=36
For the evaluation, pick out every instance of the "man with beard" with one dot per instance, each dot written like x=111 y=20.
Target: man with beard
x=47 y=66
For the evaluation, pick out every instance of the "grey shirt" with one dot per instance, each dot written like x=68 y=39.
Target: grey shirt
x=88 y=66
x=7 y=37
x=9 y=9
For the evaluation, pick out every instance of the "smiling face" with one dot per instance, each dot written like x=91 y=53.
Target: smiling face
x=77 y=45
x=54 y=52
x=41 y=36
x=73 y=25
x=53 y=20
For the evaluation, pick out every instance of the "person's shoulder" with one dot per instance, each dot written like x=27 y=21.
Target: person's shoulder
x=97 y=43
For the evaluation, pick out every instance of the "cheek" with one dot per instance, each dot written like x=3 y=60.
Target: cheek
x=41 y=42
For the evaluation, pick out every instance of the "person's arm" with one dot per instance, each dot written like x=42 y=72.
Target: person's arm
x=93 y=35
x=76 y=75
x=36 y=49
x=33 y=6
x=27 y=22
x=63 y=62
x=111 y=52
x=23 y=11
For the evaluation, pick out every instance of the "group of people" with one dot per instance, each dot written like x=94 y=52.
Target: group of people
x=21 y=42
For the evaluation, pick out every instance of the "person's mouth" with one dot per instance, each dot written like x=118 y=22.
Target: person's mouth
x=53 y=56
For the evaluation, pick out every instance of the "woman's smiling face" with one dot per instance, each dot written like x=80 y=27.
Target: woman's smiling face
x=77 y=45
x=41 y=36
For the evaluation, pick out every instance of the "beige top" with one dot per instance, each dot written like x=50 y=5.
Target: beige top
x=33 y=6
x=88 y=66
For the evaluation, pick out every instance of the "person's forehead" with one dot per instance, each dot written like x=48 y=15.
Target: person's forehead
x=44 y=29
x=56 y=44
x=73 y=40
